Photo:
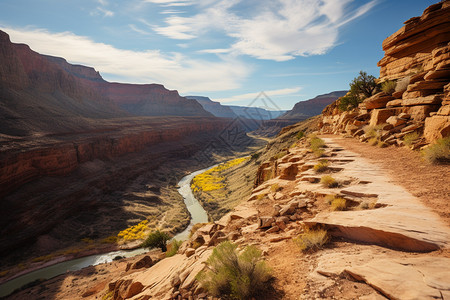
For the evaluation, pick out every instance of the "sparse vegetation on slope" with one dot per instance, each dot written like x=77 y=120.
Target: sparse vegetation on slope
x=136 y=232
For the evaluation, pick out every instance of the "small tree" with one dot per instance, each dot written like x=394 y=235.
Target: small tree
x=349 y=101
x=363 y=84
x=157 y=239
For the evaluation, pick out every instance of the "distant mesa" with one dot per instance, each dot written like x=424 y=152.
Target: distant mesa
x=305 y=109
x=216 y=108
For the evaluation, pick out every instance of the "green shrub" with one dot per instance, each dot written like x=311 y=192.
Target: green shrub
x=329 y=181
x=439 y=152
x=256 y=155
x=300 y=134
x=233 y=274
x=410 y=138
x=388 y=86
x=156 y=239
x=349 y=101
x=321 y=166
x=312 y=239
x=173 y=247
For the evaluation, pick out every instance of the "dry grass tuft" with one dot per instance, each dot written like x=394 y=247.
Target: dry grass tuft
x=439 y=152
x=321 y=166
x=312 y=240
x=329 y=181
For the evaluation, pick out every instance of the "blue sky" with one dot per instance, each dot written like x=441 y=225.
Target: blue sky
x=228 y=50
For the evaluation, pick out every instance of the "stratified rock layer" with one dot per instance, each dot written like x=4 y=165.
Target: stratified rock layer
x=417 y=57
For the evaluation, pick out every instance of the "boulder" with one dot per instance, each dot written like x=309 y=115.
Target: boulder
x=265 y=222
x=145 y=262
x=395 y=121
x=394 y=103
x=378 y=100
x=379 y=116
x=189 y=252
x=436 y=127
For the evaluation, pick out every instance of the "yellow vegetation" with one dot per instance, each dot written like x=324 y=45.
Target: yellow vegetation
x=312 y=239
x=136 y=232
x=211 y=180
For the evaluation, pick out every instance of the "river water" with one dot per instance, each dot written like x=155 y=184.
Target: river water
x=198 y=215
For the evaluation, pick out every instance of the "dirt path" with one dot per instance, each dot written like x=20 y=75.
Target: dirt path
x=429 y=183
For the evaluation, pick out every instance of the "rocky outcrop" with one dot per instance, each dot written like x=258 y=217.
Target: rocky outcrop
x=214 y=107
x=417 y=59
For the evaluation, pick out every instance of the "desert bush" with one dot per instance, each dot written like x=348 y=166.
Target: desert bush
x=173 y=247
x=439 y=152
x=329 y=181
x=235 y=275
x=316 y=145
x=349 y=101
x=156 y=239
x=312 y=239
x=321 y=166
x=388 y=86
x=410 y=138
x=300 y=134
x=338 y=203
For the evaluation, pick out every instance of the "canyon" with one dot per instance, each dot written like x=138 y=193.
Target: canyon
x=78 y=153
x=383 y=210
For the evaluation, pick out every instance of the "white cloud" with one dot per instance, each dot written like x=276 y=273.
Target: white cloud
x=252 y=96
x=174 y=70
x=102 y=11
x=269 y=29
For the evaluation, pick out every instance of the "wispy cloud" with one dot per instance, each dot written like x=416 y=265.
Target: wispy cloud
x=101 y=10
x=169 y=3
x=276 y=30
x=252 y=96
x=174 y=70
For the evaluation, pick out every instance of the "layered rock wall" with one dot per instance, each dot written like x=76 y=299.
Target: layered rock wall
x=21 y=166
x=417 y=58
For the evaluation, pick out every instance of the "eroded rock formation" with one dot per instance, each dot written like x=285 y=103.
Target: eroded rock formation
x=417 y=57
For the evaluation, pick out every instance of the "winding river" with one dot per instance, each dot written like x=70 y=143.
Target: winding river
x=198 y=215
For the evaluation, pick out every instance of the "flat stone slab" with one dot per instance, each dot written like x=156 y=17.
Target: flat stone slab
x=390 y=273
x=403 y=223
